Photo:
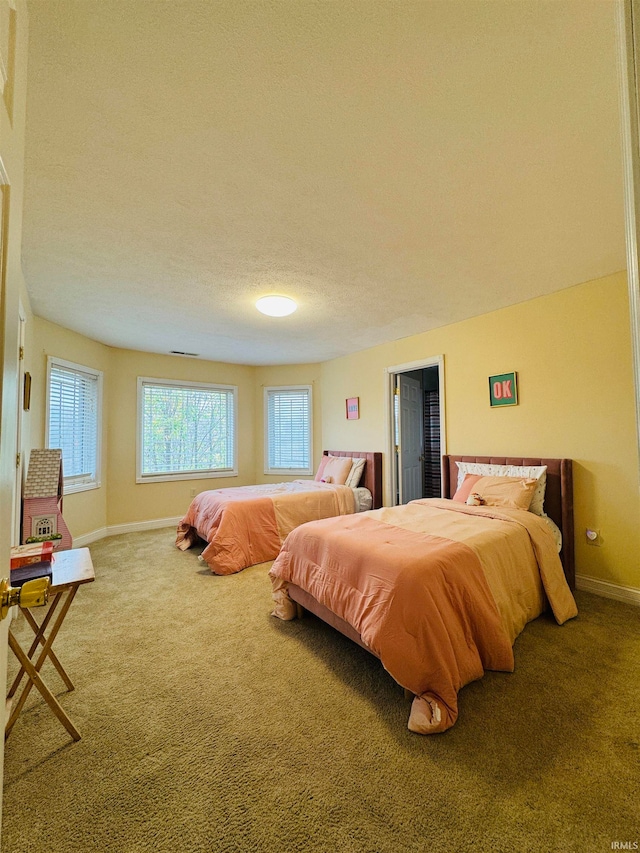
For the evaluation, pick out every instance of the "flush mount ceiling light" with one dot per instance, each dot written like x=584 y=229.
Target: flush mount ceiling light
x=276 y=306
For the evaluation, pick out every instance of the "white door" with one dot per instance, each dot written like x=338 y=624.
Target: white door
x=8 y=351
x=410 y=427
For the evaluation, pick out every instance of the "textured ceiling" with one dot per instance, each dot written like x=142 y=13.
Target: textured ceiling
x=394 y=166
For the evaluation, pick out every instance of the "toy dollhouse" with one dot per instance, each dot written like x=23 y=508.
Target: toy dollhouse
x=42 y=500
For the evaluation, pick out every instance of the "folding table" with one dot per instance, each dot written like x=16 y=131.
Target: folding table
x=70 y=569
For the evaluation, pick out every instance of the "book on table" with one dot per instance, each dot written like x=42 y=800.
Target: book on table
x=31 y=572
x=32 y=561
x=35 y=552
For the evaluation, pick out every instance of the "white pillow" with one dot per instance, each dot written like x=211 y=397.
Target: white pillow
x=532 y=472
x=363 y=499
x=353 y=479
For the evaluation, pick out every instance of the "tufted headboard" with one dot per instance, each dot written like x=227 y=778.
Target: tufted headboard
x=372 y=474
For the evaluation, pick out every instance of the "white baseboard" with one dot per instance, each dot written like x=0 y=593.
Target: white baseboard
x=628 y=594
x=88 y=538
x=132 y=527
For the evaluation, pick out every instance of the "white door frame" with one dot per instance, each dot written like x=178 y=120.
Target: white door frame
x=391 y=486
x=628 y=19
x=17 y=498
x=411 y=429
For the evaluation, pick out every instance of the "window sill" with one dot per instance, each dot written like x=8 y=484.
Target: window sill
x=72 y=488
x=288 y=472
x=167 y=478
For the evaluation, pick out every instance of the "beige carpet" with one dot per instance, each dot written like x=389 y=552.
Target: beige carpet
x=208 y=725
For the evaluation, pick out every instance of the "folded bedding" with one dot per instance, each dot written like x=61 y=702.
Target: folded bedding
x=247 y=524
x=437 y=589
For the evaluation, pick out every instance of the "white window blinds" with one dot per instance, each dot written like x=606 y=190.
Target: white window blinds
x=73 y=421
x=185 y=429
x=288 y=430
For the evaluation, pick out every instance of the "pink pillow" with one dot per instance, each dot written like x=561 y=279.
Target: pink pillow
x=464 y=491
x=336 y=467
x=320 y=472
x=513 y=492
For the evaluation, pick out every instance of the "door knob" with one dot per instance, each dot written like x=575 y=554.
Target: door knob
x=33 y=593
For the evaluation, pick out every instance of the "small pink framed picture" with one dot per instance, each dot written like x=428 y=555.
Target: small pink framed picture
x=353 y=408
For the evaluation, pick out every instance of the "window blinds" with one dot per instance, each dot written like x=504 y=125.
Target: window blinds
x=289 y=429
x=73 y=421
x=186 y=429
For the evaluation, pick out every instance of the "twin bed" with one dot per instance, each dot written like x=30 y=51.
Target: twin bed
x=437 y=589
x=246 y=525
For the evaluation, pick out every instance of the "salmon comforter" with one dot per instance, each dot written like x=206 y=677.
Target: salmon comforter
x=437 y=590
x=247 y=524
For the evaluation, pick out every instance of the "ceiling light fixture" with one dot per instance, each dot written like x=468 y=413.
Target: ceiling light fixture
x=276 y=306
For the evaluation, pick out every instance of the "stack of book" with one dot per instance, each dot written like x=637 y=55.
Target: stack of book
x=31 y=561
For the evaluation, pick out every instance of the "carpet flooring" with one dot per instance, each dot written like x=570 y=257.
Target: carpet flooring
x=209 y=726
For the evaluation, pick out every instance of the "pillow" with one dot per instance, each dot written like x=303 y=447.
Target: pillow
x=355 y=474
x=320 y=472
x=363 y=499
x=537 y=472
x=336 y=467
x=511 y=492
x=464 y=491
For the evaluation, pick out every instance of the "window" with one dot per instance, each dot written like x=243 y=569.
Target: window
x=288 y=430
x=74 y=403
x=186 y=430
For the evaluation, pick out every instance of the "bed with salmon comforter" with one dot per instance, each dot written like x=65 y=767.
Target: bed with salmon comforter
x=247 y=525
x=437 y=590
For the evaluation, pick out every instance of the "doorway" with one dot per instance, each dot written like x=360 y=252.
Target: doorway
x=416 y=429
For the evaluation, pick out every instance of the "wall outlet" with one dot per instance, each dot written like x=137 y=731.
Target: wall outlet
x=193 y=493
x=593 y=537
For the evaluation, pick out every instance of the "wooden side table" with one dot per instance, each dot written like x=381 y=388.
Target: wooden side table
x=71 y=569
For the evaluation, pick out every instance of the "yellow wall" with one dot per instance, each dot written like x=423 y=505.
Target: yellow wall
x=133 y=502
x=120 y=500
x=572 y=353
x=288 y=374
x=84 y=512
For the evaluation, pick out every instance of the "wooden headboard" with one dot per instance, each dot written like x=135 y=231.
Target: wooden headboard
x=372 y=474
x=558 y=498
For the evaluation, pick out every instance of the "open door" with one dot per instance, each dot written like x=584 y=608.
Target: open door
x=8 y=401
x=410 y=429
x=415 y=405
